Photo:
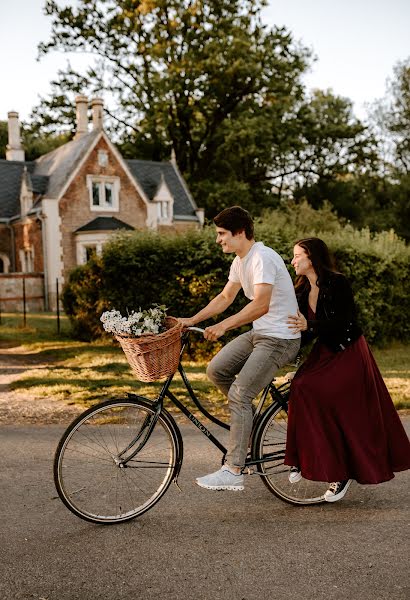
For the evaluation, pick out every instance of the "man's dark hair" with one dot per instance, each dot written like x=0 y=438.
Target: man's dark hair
x=235 y=219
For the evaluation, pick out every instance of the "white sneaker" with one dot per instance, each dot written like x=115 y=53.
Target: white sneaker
x=223 y=479
x=337 y=490
x=294 y=475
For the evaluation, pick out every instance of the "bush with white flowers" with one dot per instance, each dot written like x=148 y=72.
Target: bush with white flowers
x=136 y=323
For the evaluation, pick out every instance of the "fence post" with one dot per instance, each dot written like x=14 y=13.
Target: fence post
x=24 y=301
x=58 y=307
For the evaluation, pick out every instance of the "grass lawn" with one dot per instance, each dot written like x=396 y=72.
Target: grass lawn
x=86 y=373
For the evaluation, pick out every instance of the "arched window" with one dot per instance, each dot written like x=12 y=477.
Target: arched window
x=4 y=263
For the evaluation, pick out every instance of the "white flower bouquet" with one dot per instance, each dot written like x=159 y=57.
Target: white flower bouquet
x=137 y=323
x=151 y=341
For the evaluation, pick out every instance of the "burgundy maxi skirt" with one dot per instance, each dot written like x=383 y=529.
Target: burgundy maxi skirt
x=342 y=422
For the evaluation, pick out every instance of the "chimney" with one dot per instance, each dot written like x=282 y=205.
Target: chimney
x=14 y=150
x=97 y=106
x=81 y=105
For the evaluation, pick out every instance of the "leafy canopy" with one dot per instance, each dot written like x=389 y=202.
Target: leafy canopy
x=201 y=77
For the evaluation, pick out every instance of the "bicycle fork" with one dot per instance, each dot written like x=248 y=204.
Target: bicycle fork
x=142 y=436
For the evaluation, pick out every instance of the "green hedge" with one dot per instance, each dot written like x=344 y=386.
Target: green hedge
x=184 y=271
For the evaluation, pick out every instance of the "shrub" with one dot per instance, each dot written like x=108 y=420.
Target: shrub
x=83 y=301
x=185 y=271
x=377 y=265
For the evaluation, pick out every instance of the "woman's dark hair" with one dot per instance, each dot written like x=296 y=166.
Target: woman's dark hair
x=321 y=259
x=235 y=219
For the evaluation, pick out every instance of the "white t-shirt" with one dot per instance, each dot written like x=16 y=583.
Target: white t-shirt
x=264 y=265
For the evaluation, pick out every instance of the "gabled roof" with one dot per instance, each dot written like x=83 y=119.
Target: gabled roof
x=51 y=173
x=59 y=164
x=104 y=224
x=149 y=173
x=11 y=174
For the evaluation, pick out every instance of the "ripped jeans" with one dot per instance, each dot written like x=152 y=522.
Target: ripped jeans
x=241 y=370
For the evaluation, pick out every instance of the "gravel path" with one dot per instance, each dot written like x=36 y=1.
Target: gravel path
x=14 y=407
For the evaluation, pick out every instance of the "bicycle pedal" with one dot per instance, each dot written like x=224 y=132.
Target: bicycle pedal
x=248 y=471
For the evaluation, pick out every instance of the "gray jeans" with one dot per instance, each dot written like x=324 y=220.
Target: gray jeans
x=241 y=370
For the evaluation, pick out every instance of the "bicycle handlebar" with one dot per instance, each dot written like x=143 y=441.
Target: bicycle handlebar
x=196 y=329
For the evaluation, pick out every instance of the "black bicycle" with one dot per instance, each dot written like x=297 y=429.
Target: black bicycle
x=118 y=458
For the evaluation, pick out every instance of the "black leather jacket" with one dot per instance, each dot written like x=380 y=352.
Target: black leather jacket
x=335 y=322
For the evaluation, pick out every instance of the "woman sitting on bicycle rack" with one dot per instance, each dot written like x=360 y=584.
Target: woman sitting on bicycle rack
x=249 y=362
x=342 y=423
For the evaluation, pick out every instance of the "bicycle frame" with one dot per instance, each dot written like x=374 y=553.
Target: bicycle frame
x=277 y=393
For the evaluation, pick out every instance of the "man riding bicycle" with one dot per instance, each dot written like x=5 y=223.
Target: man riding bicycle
x=249 y=362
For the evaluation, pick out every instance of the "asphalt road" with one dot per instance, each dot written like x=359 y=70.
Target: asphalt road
x=197 y=544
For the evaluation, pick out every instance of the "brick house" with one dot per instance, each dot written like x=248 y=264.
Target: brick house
x=59 y=209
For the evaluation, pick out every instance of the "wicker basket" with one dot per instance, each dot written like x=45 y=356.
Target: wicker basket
x=154 y=356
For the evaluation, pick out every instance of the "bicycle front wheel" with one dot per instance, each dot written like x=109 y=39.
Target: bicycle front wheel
x=90 y=474
x=270 y=444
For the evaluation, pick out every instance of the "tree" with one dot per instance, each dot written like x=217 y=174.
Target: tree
x=328 y=143
x=4 y=136
x=56 y=115
x=208 y=79
x=196 y=76
x=35 y=142
x=391 y=119
x=392 y=115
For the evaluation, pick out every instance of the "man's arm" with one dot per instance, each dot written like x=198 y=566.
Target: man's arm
x=216 y=305
x=258 y=307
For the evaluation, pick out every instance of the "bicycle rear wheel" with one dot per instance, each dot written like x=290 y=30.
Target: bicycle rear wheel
x=89 y=474
x=270 y=443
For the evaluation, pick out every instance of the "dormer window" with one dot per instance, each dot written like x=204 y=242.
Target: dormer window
x=104 y=193
x=165 y=203
x=163 y=209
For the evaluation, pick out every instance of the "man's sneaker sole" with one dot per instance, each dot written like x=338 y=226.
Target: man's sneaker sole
x=229 y=488
x=340 y=495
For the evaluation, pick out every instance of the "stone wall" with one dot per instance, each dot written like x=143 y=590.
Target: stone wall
x=11 y=292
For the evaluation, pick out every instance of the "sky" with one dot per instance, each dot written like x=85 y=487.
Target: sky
x=356 y=42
